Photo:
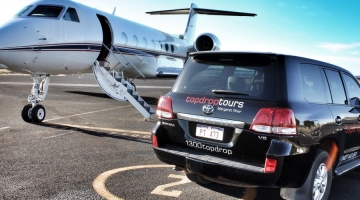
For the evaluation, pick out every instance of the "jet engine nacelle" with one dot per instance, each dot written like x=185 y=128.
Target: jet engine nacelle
x=207 y=42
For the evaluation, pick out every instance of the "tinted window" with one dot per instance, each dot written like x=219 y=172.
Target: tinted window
x=336 y=87
x=221 y=78
x=71 y=15
x=46 y=11
x=313 y=85
x=352 y=87
x=326 y=86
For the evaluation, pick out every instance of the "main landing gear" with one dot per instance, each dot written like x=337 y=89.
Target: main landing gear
x=35 y=112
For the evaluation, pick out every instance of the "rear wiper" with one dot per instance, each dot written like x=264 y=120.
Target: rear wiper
x=228 y=92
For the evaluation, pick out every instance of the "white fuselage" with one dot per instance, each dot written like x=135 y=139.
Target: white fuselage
x=43 y=45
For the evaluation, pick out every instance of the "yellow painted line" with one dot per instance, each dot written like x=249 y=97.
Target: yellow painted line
x=104 y=129
x=161 y=189
x=87 y=113
x=100 y=187
x=54 y=136
x=99 y=181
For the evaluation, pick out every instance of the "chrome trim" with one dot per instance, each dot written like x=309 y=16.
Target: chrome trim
x=352 y=149
x=185 y=153
x=208 y=109
x=211 y=120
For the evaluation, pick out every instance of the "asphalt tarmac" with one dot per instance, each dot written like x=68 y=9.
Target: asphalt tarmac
x=93 y=147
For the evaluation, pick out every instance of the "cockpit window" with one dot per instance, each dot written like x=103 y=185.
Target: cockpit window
x=71 y=15
x=46 y=11
x=23 y=11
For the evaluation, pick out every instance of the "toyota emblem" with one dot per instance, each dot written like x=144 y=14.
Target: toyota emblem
x=208 y=109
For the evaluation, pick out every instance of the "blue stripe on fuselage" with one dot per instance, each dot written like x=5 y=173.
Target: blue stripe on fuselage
x=92 y=47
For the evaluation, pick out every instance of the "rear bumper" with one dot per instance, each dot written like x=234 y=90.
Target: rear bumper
x=220 y=170
x=294 y=161
x=290 y=172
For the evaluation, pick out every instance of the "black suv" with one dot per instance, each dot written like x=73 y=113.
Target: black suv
x=261 y=120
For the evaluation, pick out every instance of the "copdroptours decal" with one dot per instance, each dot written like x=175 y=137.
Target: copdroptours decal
x=222 y=105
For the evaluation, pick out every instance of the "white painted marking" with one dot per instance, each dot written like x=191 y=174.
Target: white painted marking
x=160 y=190
x=3 y=128
x=83 y=85
x=54 y=136
x=99 y=182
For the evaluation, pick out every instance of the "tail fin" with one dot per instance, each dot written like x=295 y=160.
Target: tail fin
x=189 y=34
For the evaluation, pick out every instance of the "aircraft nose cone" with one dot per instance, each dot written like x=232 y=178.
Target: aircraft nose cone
x=4 y=35
x=13 y=34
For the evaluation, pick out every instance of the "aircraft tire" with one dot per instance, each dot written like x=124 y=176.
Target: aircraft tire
x=26 y=113
x=38 y=113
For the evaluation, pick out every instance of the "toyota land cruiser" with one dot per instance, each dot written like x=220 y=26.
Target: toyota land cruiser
x=261 y=120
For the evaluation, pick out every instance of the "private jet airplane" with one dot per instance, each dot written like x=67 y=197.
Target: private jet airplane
x=50 y=37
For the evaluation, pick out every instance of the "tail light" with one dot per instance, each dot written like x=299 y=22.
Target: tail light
x=164 y=108
x=270 y=165
x=154 y=141
x=275 y=120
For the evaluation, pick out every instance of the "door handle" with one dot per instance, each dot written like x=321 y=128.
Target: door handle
x=338 y=120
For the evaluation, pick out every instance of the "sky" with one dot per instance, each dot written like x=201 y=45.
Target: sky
x=326 y=30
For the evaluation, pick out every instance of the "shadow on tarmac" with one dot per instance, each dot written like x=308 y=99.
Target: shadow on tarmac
x=122 y=136
x=149 y=100
x=245 y=193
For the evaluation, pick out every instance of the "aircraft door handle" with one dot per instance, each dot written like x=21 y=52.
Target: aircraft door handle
x=338 y=120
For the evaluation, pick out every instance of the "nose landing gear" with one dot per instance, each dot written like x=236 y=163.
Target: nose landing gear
x=35 y=112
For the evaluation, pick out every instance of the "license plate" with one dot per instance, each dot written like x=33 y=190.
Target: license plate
x=210 y=132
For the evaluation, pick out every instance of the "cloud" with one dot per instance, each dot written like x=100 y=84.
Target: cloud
x=350 y=63
x=337 y=47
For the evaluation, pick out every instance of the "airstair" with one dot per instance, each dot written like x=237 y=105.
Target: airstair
x=117 y=87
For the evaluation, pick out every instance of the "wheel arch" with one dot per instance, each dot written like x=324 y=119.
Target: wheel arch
x=331 y=146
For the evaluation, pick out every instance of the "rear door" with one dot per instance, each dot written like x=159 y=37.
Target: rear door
x=352 y=132
x=216 y=102
x=345 y=121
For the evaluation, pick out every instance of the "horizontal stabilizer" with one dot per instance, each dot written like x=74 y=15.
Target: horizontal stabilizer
x=170 y=12
x=200 y=11
x=193 y=11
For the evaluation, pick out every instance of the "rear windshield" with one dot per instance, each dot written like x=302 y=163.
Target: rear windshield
x=251 y=78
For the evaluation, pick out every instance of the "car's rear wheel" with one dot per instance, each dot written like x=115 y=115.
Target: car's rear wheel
x=318 y=183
